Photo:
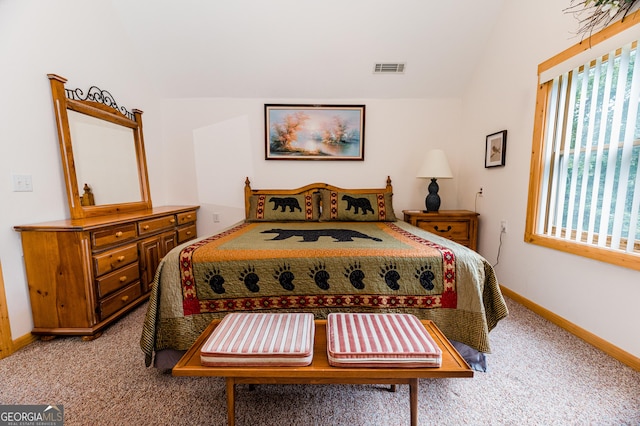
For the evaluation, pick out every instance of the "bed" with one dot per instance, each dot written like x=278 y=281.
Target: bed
x=320 y=249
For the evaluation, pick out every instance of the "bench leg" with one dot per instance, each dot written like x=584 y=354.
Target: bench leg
x=413 y=396
x=231 y=401
x=392 y=388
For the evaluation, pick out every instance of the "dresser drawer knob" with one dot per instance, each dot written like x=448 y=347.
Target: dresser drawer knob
x=118 y=234
x=123 y=278
x=120 y=258
x=172 y=220
x=188 y=216
x=442 y=230
x=188 y=232
x=145 y=227
x=124 y=298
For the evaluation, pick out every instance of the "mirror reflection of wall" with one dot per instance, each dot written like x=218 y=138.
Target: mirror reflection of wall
x=105 y=159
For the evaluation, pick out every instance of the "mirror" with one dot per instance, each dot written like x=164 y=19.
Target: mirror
x=102 y=151
x=97 y=145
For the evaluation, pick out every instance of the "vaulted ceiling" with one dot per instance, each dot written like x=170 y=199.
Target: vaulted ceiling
x=308 y=48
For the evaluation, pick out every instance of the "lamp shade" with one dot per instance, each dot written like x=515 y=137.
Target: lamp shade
x=435 y=165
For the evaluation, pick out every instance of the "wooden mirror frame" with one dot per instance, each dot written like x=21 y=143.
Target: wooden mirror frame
x=108 y=110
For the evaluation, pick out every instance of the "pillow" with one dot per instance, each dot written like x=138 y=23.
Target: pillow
x=361 y=207
x=284 y=207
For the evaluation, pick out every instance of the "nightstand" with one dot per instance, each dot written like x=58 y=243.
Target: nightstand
x=460 y=226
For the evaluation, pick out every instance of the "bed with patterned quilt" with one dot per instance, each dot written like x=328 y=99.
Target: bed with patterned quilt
x=319 y=249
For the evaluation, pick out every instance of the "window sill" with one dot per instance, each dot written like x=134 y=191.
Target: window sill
x=607 y=255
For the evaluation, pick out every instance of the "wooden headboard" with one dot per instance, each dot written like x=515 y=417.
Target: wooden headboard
x=307 y=189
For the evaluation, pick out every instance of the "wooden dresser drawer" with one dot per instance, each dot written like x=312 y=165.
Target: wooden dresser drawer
x=114 y=259
x=187 y=217
x=152 y=225
x=448 y=229
x=118 y=279
x=119 y=300
x=186 y=233
x=113 y=235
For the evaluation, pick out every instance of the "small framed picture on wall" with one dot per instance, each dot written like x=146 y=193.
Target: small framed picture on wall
x=496 y=149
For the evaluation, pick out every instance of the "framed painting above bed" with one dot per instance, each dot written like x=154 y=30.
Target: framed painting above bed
x=314 y=132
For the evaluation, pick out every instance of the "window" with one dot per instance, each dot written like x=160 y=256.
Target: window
x=584 y=193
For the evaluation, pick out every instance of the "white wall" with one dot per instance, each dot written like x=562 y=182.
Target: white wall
x=231 y=134
x=596 y=296
x=83 y=42
x=36 y=38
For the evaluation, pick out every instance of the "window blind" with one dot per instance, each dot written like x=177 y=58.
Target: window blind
x=592 y=152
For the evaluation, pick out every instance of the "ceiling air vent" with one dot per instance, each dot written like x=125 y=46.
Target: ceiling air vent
x=389 y=68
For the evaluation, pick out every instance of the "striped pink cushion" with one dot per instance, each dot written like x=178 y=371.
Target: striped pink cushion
x=260 y=339
x=380 y=340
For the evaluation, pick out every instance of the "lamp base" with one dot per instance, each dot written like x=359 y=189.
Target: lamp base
x=432 y=202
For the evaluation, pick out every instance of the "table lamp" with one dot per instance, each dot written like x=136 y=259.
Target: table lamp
x=434 y=166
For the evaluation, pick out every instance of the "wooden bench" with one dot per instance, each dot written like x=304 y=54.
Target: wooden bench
x=320 y=372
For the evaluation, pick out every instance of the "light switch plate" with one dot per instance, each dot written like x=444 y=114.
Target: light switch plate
x=22 y=183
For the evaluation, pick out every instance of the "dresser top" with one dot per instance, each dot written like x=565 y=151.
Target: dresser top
x=106 y=220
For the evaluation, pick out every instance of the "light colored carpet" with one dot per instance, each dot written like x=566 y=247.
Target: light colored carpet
x=538 y=375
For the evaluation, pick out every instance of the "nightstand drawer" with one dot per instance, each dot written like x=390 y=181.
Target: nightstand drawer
x=460 y=226
x=448 y=229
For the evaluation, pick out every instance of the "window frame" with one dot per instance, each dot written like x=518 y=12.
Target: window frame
x=536 y=178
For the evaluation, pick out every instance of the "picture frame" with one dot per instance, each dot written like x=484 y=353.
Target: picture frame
x=495 y=149
x=314 y=132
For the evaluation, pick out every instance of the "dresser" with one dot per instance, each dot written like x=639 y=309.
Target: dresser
x=460 y=226
x=84 y=274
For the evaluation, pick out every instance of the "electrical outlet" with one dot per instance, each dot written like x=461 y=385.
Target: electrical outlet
x=481 y=191
x=216 y=217
x=503 y=226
